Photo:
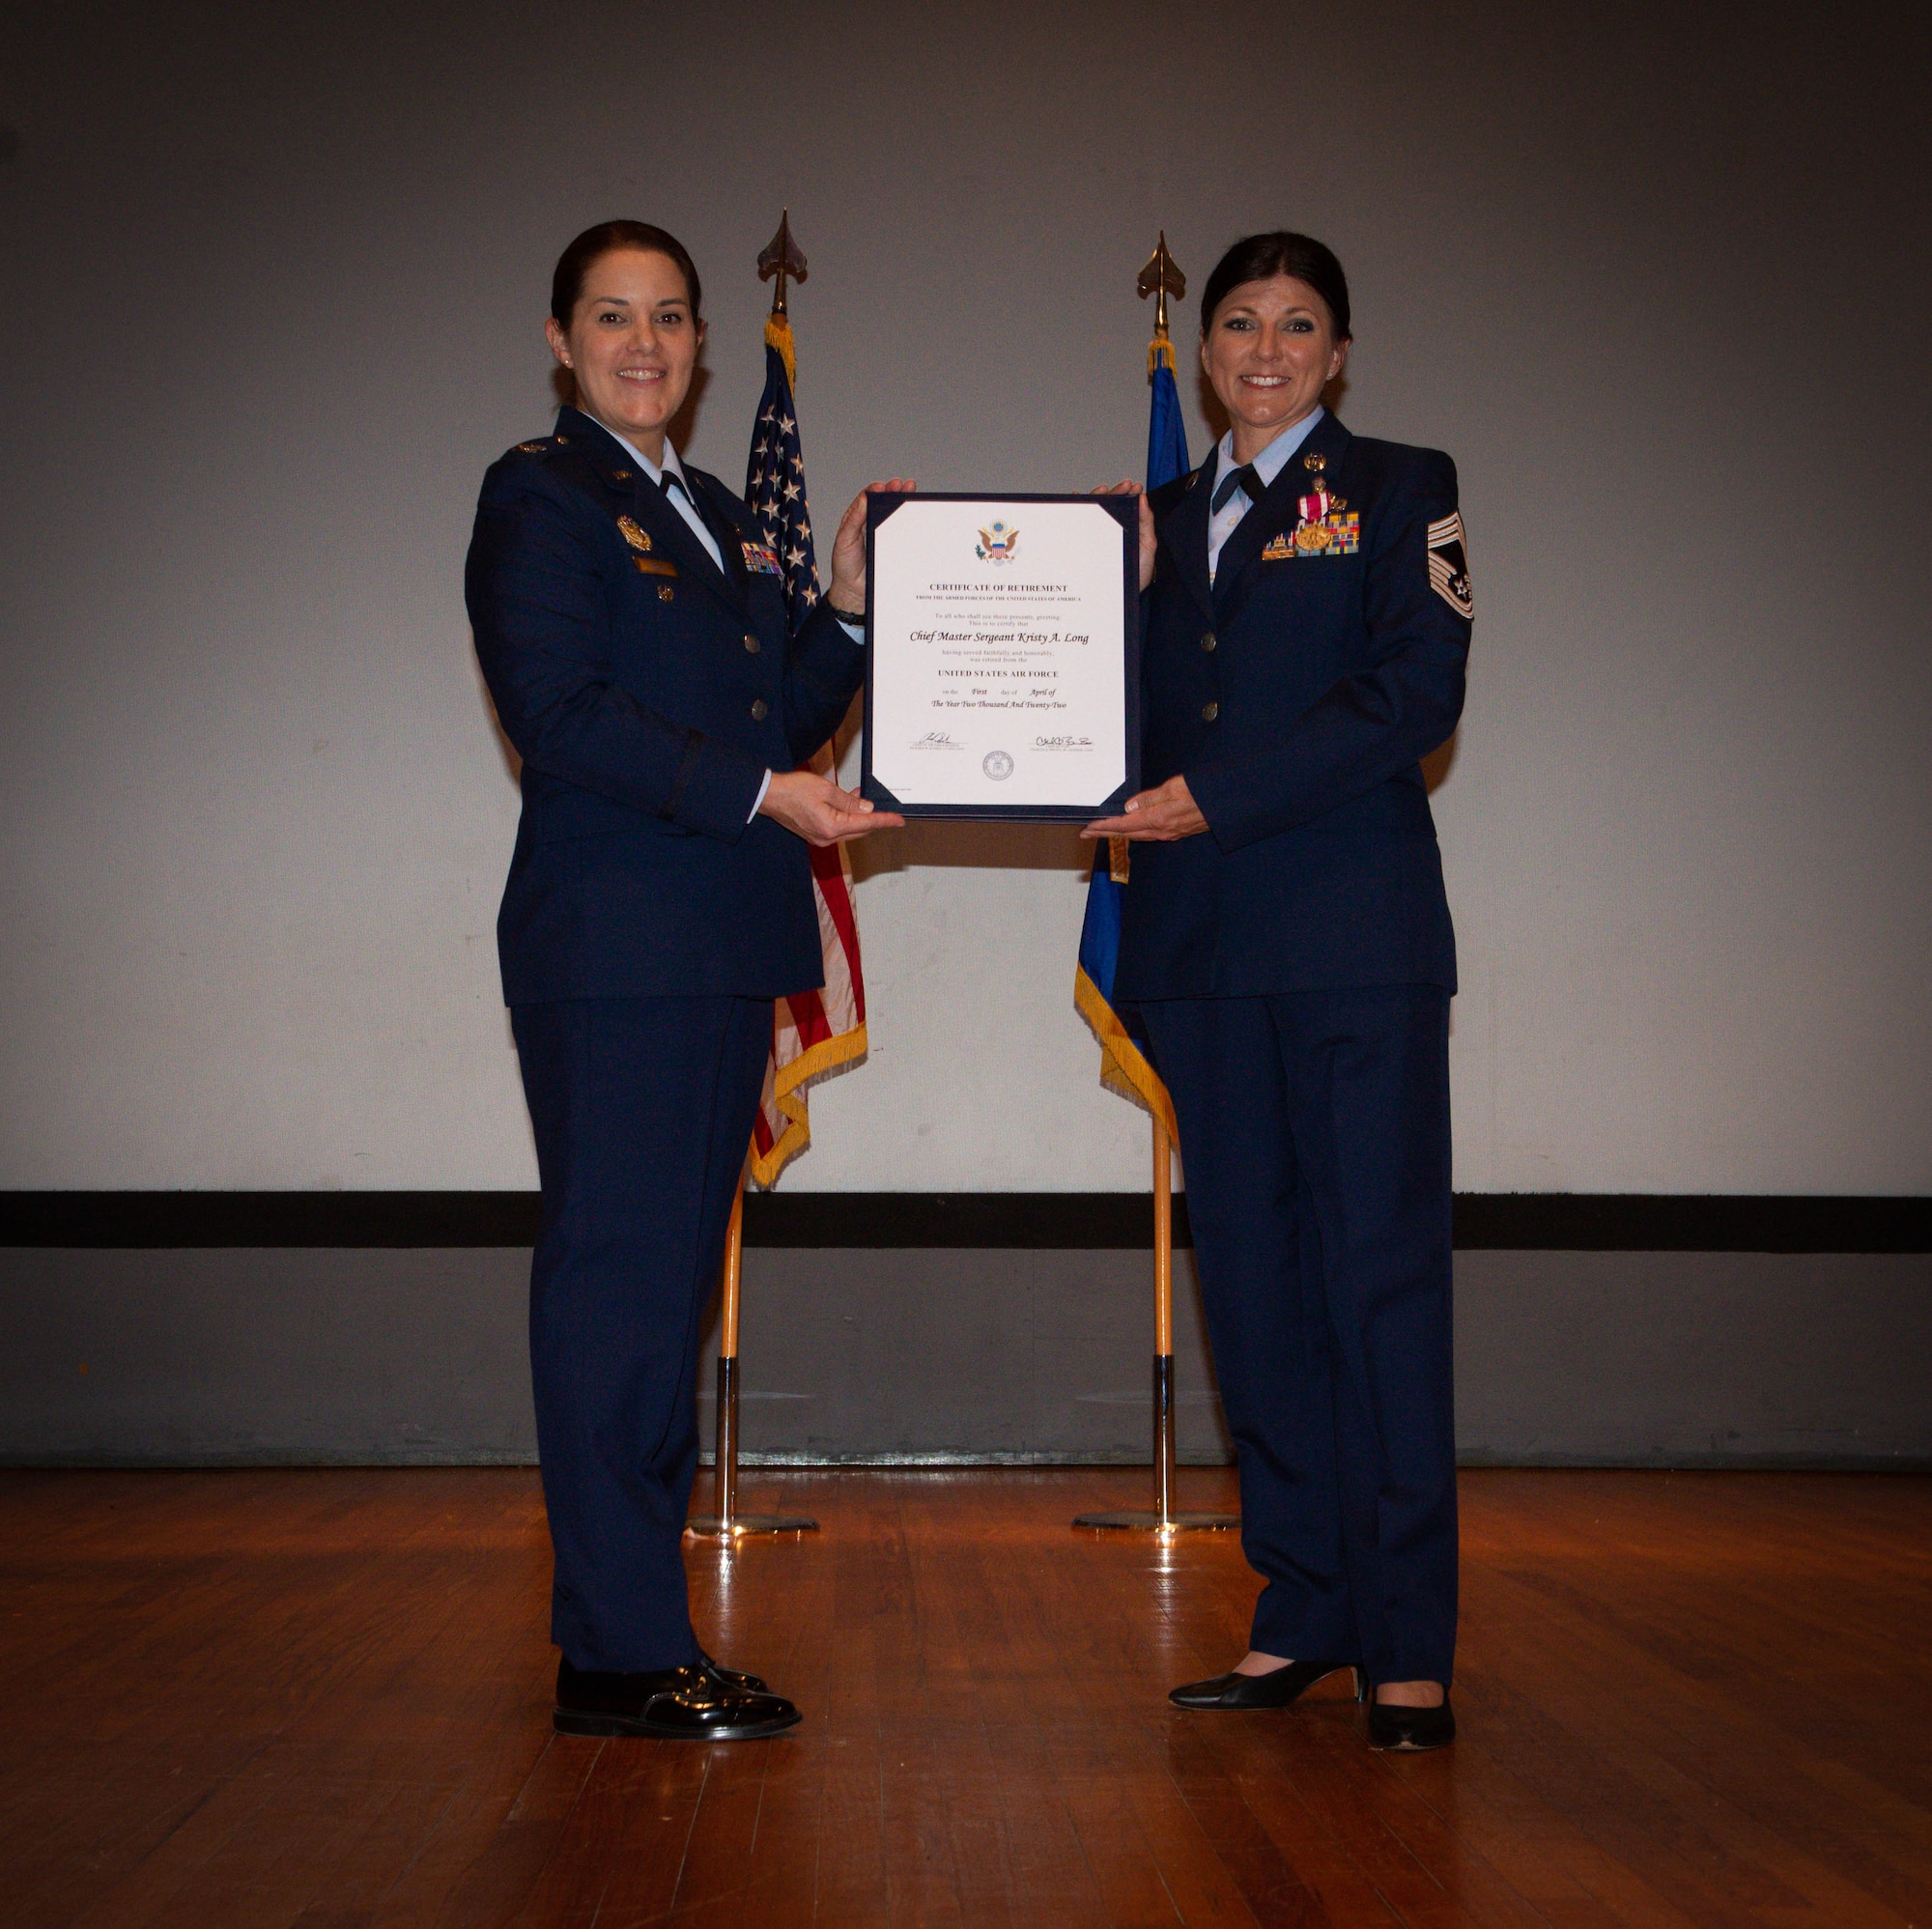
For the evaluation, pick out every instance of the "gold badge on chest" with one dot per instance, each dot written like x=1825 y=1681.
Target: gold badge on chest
x=633 y=535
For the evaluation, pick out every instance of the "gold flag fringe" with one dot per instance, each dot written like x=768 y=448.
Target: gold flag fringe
x=777 y=336
x=828 y=1056
x=1122 y=1068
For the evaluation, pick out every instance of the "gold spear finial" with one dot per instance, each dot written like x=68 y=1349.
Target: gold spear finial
x=782 y=257
x=1161 y=278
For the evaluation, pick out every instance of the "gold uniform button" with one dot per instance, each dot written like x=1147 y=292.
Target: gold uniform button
x=760 y=710
x=1209 y=711
x=1208 y=641
x=752 y=646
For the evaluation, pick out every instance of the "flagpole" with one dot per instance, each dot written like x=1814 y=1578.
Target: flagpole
x=725 y=1522
x=1161 y=278
x=1163 y=1325
x=783 y=260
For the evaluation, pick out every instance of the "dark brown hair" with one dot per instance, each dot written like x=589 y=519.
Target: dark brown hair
x=1261 y=257
x=572 y=265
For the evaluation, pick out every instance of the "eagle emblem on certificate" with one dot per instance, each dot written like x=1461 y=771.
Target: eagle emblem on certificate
x=997 y=542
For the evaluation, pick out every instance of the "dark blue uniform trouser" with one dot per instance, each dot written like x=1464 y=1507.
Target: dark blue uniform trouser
x=643 y=1111
x=1315 y=1141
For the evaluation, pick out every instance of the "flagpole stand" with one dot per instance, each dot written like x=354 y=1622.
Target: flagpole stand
x=725 y=1522
x=1161 y=1517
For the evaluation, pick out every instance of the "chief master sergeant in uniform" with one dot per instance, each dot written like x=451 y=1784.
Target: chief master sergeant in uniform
x=1286 y=942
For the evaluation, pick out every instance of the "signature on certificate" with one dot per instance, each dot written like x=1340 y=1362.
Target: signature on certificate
x=937 y=740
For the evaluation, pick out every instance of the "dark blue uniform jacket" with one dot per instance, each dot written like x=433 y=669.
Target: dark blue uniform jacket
x=647 y=692
x=1298 y=695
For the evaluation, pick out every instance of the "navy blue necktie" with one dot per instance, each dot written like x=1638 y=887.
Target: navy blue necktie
x=672 y=481
x=1244 y=478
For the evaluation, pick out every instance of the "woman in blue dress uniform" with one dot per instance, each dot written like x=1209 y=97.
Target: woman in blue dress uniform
x=1286 y=942
x=631 y=625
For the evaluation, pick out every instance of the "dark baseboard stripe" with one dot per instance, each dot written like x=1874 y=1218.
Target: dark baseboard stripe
x=1038 y=1221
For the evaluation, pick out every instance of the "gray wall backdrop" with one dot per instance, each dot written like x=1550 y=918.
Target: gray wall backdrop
x=1657 y=276
x=235 y=1356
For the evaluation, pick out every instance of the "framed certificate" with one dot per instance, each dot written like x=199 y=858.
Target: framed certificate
x=1004 y=677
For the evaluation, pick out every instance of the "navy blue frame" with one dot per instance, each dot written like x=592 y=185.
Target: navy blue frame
x=1126 y=511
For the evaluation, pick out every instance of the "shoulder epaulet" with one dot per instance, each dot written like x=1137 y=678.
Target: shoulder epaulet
x=544 y=445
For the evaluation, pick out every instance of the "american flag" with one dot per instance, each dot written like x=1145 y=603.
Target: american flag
x=775 y=475
x=813 y=1032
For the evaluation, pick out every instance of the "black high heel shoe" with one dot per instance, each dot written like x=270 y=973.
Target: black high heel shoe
x=1277 y=1689
x=1410 y=1730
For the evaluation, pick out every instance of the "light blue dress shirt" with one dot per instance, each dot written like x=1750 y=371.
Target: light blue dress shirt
x=1268 y=465
x=680 y=499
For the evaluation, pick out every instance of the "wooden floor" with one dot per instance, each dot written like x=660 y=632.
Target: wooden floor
x=322 y=1698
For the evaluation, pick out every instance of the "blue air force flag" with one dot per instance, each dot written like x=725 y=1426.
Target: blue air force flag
x=1123 y=1062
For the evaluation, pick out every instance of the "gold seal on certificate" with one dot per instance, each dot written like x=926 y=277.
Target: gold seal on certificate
x=1003 y=679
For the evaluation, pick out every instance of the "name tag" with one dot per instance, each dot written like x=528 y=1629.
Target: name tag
x=654 y=566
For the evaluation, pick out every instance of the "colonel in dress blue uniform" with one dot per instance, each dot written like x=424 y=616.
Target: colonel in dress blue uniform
x=631 y=624
x=1287 y=943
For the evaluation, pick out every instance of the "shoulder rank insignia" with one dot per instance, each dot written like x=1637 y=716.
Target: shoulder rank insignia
x=1449 y=565
x=761 y=560
x=531 y=448
x=633 y=535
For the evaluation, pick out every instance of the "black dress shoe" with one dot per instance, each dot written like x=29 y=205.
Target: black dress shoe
x=1274 y=1690
x=667 y=1704
x=737 y=1678
x=1410 y=1730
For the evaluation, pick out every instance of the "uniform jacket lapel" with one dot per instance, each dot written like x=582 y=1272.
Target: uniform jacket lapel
x=631 y=491
x=730 y=542
x=1184 y=533
x=1279 y=510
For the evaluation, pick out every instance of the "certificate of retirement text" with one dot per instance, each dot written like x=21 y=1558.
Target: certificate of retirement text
x=998 y=677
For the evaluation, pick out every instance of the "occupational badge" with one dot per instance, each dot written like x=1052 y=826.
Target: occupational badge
x=1449 y=565
x=633 y=535
x=761 y=560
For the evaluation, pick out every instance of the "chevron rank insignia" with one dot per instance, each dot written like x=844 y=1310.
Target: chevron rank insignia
x=1449 y=565
x=761 y=560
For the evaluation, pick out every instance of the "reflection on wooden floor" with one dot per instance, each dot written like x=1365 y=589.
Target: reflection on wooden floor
x=322 y=1698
